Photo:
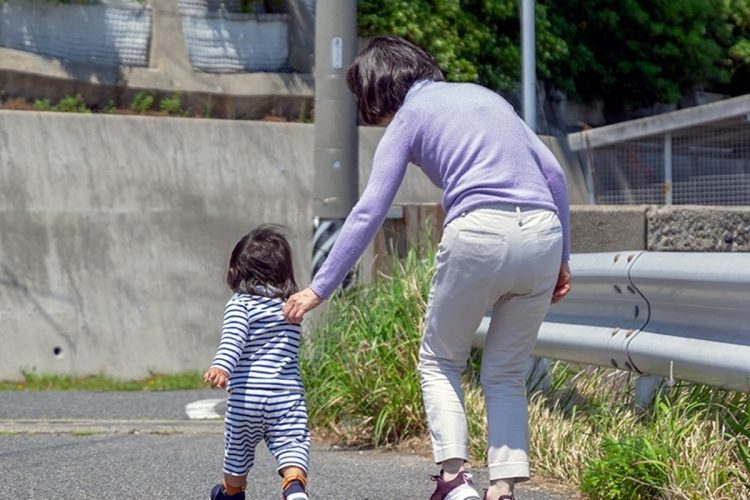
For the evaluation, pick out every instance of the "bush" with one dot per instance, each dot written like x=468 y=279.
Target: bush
x=68 y=104
x=172 y=105
x=142 y=102
x=72 y=104
x=42 y=105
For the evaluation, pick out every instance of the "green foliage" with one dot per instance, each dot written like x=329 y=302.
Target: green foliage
x=42 y=105
x=638 y=52
x=33 y=381
x=72 y=104
x=142 y=102
x=250 y=6
x=475 y=41
x=172 y=105
x=360 y=364
x=631 y=468
x=68 y=104
x=110 y=107
x=627 y=53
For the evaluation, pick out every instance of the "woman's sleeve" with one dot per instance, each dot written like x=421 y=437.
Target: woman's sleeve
x=555 y=177
x=388 y=169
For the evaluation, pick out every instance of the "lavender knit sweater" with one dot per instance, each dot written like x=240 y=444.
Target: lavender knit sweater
x=471 y=143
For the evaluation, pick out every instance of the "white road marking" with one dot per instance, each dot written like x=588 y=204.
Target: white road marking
x=204 y=409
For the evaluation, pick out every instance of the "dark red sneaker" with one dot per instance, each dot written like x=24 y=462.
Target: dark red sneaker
x=460 y=488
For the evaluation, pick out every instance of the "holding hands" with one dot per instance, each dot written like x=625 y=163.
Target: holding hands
x=300 y=303
x=216 y=377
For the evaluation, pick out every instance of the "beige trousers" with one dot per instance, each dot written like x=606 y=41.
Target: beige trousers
x=504 y=259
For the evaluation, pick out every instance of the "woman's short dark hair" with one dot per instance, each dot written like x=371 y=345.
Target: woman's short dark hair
x=383 y=73
x=262 y=258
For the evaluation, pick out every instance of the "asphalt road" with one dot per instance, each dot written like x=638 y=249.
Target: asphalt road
x=86 y=445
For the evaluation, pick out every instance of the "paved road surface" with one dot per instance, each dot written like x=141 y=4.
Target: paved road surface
x=86 y=445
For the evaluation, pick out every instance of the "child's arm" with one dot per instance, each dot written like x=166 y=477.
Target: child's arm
x=234 y=334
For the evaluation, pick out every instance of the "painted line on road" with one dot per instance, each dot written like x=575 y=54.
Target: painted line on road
x=204 y=409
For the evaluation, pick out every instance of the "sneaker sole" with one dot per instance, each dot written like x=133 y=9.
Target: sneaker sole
x=463 y=492
x=298 y=496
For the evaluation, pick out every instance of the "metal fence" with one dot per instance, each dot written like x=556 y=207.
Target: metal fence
x=707 y=164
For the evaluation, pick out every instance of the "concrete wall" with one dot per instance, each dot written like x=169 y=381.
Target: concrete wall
x=115 y=232
x=240 y=95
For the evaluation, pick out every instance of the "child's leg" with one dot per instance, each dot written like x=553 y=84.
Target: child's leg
x=288 y=440
x=243 y=418
x=291 y=475
x=234 y=484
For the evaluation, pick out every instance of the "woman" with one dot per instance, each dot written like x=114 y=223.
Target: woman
x=505 y=246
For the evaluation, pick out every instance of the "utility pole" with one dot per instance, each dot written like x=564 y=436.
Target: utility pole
x=528 y=56
x=336 y=180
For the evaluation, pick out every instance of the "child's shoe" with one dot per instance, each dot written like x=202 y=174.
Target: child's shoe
x=460 y=488
x=293 y=488
x=218 y=493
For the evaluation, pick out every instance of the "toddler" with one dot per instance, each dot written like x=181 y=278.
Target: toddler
x=257 y=361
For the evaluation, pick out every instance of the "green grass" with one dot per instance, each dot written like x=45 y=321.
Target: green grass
x=360 y=363
x=360 y=369
x=83 y=433
x=32 y=381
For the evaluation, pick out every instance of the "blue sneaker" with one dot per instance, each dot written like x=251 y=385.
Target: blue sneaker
x=218 y=493
x=294 y=489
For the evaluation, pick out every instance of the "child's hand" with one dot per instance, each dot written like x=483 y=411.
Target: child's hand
x=216 y=377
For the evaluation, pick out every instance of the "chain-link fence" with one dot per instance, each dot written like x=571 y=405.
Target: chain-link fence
x=703 y=165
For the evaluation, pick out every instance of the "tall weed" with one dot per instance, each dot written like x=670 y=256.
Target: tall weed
x=360 y=364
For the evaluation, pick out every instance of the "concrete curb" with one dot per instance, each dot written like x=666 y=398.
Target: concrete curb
x=104 y=426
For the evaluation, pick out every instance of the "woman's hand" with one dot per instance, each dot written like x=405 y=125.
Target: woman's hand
x=300 y=303
x=216 y=377
x=563 y=283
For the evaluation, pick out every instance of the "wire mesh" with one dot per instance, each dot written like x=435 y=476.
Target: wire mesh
x=710 y=165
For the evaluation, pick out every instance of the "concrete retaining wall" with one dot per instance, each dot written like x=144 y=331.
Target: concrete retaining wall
x=115 y=232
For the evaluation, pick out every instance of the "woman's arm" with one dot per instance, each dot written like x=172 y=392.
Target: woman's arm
x=388 y=169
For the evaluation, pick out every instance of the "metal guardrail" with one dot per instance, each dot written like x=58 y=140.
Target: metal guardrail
x=683 y=315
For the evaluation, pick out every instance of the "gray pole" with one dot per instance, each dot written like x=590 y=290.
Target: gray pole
x=336 y=180
x=668 y=169
x=528 y=55
x=336 y=187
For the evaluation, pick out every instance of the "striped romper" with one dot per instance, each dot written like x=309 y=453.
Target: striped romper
x=259 y=350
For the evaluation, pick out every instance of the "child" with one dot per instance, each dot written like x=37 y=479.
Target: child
x=257 y=360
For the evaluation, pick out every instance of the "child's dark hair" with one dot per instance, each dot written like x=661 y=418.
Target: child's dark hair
x=383 y=73
x=262 y=258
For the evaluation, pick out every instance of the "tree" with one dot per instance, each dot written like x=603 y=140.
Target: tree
x=627 y=53
x=640 y=52
x=472 y=40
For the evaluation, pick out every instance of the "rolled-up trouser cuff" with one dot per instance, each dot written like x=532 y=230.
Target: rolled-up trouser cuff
x=512 y=470
x=448 y=452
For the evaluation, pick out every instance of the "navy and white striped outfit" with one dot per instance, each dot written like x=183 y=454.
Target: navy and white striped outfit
x=259 y=350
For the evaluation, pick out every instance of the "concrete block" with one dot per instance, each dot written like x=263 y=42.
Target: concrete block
x=607 y=228
x=698 y=229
